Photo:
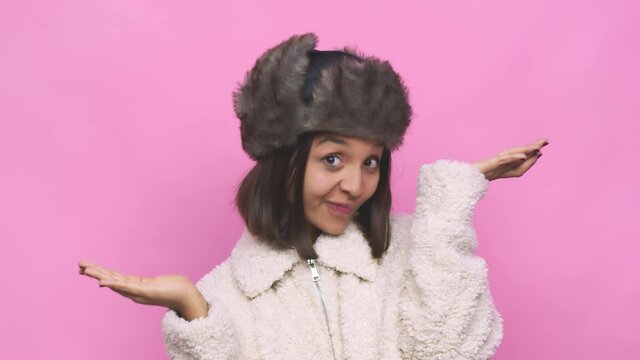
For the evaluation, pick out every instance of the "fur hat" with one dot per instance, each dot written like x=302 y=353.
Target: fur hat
x=293 y=88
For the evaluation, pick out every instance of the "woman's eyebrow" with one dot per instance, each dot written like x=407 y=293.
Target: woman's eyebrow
x=334 y=139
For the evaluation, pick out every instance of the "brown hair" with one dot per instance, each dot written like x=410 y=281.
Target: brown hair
x=268 y=214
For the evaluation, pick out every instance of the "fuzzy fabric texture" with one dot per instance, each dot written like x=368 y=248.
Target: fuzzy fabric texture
x=364 y=98
x=427 y=298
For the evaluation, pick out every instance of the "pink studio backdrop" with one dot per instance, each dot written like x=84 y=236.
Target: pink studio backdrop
x=118 y=144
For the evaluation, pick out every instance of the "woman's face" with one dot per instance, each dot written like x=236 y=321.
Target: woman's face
x=341 y=174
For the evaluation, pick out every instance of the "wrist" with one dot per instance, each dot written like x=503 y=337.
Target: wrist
x=195 y=306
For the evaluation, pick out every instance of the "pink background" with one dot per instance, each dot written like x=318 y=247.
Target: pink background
x=118 y=144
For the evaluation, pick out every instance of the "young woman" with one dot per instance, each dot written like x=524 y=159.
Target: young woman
x=322 y=269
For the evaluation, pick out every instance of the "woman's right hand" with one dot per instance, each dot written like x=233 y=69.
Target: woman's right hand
x=172 y=291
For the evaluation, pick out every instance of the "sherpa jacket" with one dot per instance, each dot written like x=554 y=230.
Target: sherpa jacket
x=427 y=298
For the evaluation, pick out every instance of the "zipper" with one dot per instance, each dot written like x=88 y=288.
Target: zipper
x=316 y=279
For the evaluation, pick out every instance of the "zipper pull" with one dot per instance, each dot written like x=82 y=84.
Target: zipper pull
x=314 y=272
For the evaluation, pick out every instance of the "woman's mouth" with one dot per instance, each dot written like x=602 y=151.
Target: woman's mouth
x=339 y=209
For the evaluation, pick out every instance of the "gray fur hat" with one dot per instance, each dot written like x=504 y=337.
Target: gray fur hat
x=293 y=88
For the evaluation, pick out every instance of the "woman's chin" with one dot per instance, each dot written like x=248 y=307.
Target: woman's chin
x=334 y=229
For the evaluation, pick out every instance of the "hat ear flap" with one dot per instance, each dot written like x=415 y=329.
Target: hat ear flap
x=269 y=102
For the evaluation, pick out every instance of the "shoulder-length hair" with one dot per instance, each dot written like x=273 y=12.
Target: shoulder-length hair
x=271 y=203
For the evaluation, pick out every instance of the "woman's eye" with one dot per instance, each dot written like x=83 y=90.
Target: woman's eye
x=332 y=160
x=372 y=163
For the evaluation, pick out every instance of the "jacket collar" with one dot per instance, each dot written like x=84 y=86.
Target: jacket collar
x=256 y=265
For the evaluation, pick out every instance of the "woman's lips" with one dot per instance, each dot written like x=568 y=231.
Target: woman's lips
x=339 y=210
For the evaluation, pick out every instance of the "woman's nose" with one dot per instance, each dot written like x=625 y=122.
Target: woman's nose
x=352 y=182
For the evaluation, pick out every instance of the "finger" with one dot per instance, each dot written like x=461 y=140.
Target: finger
x=103 y=272
x=131 y=287
x=116 y=275
x=529 y=148
x=510 y=160
x=83 y=264
x=94 y=273
x=86 y=263
x=111 y=273
x=542 y=141
x=529 y=163
x=524 y=167
x=98 y=272
x=97 y=269
x=513 y=161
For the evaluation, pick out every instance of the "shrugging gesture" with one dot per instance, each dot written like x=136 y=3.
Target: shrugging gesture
x=346 y=280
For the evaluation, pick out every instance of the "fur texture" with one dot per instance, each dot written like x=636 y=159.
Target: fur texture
x=427 y=298
x=355 y=98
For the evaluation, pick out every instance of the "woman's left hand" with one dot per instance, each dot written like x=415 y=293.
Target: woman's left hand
x=513 y=162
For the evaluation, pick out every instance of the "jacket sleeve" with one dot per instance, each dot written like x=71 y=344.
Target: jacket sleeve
x=446 y=309
x=211 y=337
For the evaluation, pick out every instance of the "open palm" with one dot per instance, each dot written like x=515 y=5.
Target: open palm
x=512 y=162
x=176 y=292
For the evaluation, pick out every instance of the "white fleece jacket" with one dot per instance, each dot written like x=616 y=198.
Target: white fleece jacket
x=427 y=298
